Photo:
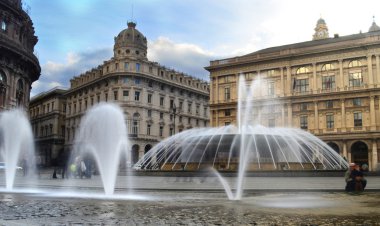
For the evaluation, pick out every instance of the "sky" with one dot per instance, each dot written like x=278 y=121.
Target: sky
x=78 y=35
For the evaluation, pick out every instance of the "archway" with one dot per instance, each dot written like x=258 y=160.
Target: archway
x=135 y=153
x=359 y=153
x=334 y=146
x=147 y=148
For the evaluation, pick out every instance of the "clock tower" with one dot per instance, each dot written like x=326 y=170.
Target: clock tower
x=321 y=30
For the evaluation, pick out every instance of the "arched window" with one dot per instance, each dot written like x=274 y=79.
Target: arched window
x=327 y=67
x=355 y=75
x=302 y=70
x=354 y=63
x=20 y=85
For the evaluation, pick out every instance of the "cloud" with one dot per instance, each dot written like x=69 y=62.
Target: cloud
x=59 y=74
x=183 y=57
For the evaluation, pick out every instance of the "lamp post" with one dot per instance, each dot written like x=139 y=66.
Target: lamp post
x=174 y=112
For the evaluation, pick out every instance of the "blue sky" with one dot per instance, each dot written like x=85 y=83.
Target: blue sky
x=77 y=35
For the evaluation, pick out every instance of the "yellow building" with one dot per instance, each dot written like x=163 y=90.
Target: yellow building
x=329 y=86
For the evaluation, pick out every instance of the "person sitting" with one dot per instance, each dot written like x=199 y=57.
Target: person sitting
x=354 y=178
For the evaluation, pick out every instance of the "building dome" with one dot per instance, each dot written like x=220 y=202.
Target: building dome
x=130 y=42
x=321 y=21
x=374 y=27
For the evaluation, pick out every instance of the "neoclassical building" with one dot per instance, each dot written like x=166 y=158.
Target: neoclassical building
x=329 y=86
x=19 y=67
x=47 y=112
x=157 y=101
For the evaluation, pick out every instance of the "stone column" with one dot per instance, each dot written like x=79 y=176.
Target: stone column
x=211 y=89
x=282 y=82
x=288 y=80
x=316 y=118
x=372 y=113
x=283 y=124
x=378 y=70
x=315 y=78
x=343 y=120
x=341 y=77
x=373 y=166
x=345 y=154
x=290 y=115
x=216 y=98
x=370 y=74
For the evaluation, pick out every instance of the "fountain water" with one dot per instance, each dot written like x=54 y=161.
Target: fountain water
x=17 y=144
x=103 y=135
x=249 y=146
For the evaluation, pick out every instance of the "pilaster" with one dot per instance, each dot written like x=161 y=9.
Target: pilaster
x=370 y=73
x=372 y=113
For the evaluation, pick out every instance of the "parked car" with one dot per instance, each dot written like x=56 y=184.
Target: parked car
x=2 y=166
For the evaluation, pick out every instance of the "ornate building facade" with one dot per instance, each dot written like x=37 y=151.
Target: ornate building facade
x=19 y=67
x=47 y=112
x=329 y=86
x=157 y=101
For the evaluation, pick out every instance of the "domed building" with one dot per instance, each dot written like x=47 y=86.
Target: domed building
x=157 y=101
x=19 y=67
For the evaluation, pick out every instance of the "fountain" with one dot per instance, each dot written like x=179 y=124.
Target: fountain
x=103 y=135
x=245 y=147
x=17 y=144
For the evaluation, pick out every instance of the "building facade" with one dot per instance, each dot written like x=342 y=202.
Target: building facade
x=47 y=112
x=157 y=101
x=19 y=67
x=329 y=86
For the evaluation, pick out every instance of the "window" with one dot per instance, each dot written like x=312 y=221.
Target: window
x=161 y=101
x=355 y=79
x=227 y=95
x=227 y=112
x=197 y=109
x=358 y=119
x=301 y=85
x=115 y=95
x=329 y=104
x=92 y=101
x=356 y=102
x=189 y=108
x=302 y=70
x=327 y=67
x=271 y=122
x=328 y=82
x=226 y=78
x=148 y=129
x=180 y=119
x=180 y=106
x=330 y=121
x=137 y=81
x=125 y=80
x=161 y=115
x=303 y=107
x=161 y=131
x=149 y=98
x=116 y=66
x=171 y=104
x=106 y=96
x=3 y=78
x=189 y=120
x=162 y=87
x=150 y=70
x=3 y=25
x=137 y=67
x=270 y=72
x=354 y=63
x=197 y=122
x=125 y=95
x=303 y=122
x=135 y=123
x=150 y=83
x=271 y=88
x=149 y=113
x=137 y=95
x=227 y=123
x=126 y=65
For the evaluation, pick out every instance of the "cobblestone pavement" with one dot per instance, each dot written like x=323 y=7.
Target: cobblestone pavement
x=194 y=208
